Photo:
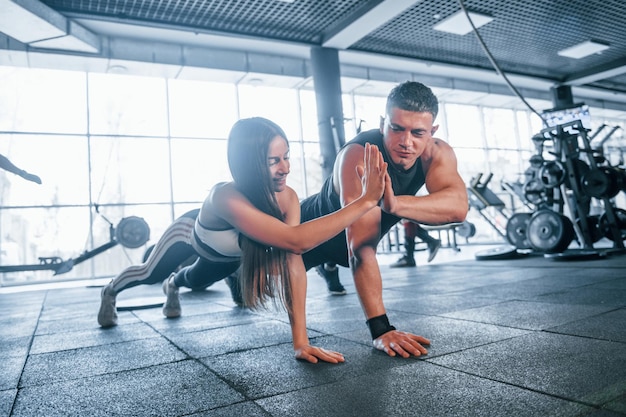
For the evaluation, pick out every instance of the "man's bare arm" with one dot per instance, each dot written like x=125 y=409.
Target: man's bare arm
x=446 y=201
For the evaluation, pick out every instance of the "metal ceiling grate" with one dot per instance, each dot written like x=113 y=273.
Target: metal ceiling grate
x=523 y=37
x=300 y=21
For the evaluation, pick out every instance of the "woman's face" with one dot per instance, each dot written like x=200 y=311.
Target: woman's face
x=278 y=162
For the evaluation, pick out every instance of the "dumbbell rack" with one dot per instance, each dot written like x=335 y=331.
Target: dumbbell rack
x=566 y=139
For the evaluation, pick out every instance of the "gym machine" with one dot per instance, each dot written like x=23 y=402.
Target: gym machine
x=131 y=232
x=562 y=182
x=488 y=205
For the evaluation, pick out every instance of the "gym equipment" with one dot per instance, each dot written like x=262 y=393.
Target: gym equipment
x=605 y=227
x=552 y=174
x=504 y=252
x=487 y=203
x=131 y=232
x=593 y=223
x=534 y=191
x=516 y=230
x=602 y=182
x=565 y=176
x=550 y=232
x=466 y=229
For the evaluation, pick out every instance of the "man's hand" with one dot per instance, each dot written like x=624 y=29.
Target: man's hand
x=373 y=173
x=30 y=177
x=314 y=354
x=400 y=343
x=388 y=203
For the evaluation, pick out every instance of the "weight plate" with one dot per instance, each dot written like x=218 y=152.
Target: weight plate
x=549 y=231
x=536 y=161
x=499 y=253
x=534 y=191
x=516 y=228
x=620 y=217
x=576 y=255
x=595 y=183
x=132 y=232
x=593 y=222
x=615 y=181
x=466 y=229
x=552 y=174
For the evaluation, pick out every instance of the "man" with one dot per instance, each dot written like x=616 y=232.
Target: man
x=7 y=165
x=411 y=231
x=415 y=159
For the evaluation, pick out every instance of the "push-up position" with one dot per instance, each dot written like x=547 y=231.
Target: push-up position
x=415 y=158
x=253 y=221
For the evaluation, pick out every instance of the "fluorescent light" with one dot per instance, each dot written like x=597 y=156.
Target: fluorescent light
x=459 y=25
x=583 y=49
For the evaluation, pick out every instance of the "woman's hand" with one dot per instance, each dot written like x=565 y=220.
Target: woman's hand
x=314 y=354
x=372 y=174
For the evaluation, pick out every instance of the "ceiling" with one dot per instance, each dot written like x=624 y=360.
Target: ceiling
x=523 y=38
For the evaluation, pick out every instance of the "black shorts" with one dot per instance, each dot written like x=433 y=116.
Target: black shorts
x=334 y=250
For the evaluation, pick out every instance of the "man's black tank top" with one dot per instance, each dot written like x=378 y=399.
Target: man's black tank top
x=404 y=183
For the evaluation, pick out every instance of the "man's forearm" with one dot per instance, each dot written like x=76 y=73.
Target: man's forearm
x=430 y=209
x=368 y=281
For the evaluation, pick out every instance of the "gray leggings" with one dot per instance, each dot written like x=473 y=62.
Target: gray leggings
x=171 y=251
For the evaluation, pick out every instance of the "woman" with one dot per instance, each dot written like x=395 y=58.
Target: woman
x=253 y=221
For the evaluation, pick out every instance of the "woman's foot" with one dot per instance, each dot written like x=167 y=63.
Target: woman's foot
x=107 y=316
x=171 y=308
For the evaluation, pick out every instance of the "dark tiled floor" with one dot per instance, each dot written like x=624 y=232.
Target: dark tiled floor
x=523 y=337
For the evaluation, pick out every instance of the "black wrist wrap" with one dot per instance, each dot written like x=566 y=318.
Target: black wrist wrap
x=379 y=325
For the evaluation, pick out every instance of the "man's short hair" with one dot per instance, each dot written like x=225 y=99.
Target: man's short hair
x=413 y=96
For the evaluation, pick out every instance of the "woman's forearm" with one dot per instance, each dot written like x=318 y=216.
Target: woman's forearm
x=314 y=232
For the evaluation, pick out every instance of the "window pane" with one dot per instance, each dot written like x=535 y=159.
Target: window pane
x=296 y=173
x=309 y=116
x=505 y=164
x=525 y=132
x=197 y=165
x=127 y=105
x=37 y=100
x=369 y=110
x=471 y=162
x=201 y=109
x=26 y=234
x=280 y=105
x=130 y=170
x=500 y=128
x=464 y=126
x=113 y=261
x=313 y=169
x=60 y=162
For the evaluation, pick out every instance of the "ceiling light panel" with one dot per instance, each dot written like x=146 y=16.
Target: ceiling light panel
x=459 y=25
x=583 y=49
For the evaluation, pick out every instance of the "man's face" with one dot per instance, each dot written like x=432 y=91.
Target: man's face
x=406 y=135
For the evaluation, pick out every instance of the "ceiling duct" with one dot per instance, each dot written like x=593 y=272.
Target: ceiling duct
x=33 y=23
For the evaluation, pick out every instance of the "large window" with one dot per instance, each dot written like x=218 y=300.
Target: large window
x=108 y=147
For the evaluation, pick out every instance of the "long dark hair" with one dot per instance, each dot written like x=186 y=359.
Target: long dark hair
x=264 y=271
